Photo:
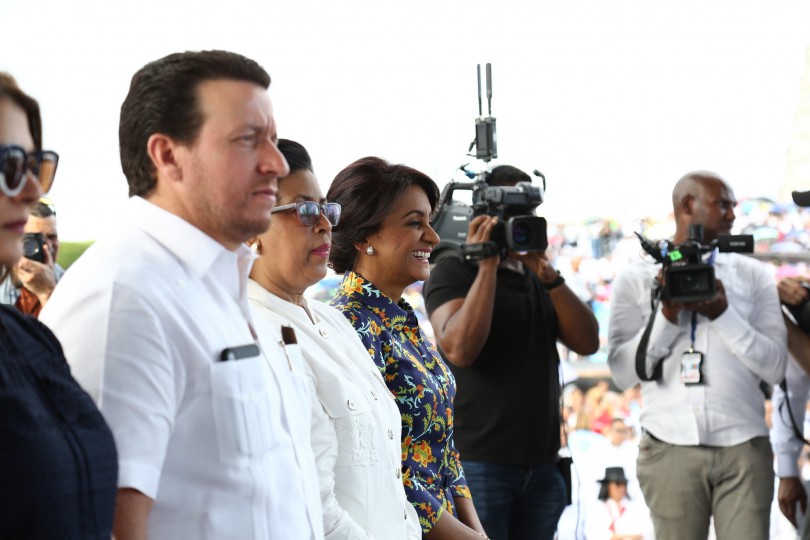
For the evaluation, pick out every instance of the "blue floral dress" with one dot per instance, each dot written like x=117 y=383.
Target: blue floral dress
x=424 y=389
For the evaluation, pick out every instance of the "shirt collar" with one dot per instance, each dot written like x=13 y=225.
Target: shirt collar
x=197 y=251
x=358 y=288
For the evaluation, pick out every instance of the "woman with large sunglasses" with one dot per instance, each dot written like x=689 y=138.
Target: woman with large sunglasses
x=355 y=422
x=58 y=466
x=383 y=245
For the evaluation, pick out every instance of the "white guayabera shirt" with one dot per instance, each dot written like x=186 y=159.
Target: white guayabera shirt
x=223 y=447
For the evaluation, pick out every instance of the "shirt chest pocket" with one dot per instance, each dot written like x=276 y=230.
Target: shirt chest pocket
x=242 y=410
x=353 y=420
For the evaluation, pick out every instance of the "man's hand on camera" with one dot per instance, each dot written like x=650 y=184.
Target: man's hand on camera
x=37 y=277
x=538 y=263
x=480 y=231
x=669 y=309
x=792 y=290
x=709 y=308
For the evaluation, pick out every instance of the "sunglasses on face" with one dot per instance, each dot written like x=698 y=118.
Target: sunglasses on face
x=15 y=164
x=309 y=212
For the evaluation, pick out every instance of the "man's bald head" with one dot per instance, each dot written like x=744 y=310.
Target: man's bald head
x=703 y=197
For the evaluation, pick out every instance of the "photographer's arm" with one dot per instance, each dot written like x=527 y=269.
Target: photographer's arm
x=577 y=327
x=757 y=339
x=462 y=325
x=792 y=292
x=798 y=344
x=786 y=445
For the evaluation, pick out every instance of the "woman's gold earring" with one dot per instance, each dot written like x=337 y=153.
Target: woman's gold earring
x=370 y=250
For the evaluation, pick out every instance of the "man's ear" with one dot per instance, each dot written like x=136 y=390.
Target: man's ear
x=163 y=151
x=688 y=204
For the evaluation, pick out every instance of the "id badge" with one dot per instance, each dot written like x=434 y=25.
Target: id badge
x=691 y=364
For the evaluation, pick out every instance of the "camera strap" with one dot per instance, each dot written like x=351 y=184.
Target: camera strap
x=641 y=352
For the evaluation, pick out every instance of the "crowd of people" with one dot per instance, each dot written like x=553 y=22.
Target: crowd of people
x=181 y=379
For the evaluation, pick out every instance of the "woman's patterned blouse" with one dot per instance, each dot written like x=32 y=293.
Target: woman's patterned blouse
x=424 y=389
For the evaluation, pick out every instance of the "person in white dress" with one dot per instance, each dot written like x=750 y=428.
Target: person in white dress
x=614 y=516
x=356 y=424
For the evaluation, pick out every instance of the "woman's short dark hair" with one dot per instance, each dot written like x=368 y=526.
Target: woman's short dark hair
x=367 y=191
x=9 y=90
x=163 y=98
x=506 y=175
x=296 y=155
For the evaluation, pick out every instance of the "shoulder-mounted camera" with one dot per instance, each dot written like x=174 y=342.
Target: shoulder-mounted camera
x=518 y=228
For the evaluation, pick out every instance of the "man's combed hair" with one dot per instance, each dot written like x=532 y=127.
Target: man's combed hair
x=163 y=98
x=367 y=191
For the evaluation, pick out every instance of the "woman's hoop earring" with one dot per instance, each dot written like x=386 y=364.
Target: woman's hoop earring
x=370 y=250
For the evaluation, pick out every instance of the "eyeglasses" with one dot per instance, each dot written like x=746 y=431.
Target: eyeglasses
x=16 y=162
x=309 y=212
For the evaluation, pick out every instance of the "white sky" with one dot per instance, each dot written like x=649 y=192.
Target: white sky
x=612 y=100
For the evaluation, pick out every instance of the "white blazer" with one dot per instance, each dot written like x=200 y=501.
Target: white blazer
x=356 y=425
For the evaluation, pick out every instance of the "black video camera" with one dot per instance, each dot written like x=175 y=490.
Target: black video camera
x=33 y=246
x=687 y=278
x=518 y=229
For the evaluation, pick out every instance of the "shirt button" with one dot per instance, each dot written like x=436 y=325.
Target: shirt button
x=399 y=473
x=324 y=334
x=351 y=404
x=390 y=433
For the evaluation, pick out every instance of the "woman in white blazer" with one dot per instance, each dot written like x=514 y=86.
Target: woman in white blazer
x=355 y=423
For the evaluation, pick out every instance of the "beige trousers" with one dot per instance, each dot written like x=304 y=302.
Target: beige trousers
x=685 y=485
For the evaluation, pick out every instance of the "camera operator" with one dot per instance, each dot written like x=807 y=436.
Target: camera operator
x=789 y=414
x=705 y=449
x=497 y=323
x=31 y=283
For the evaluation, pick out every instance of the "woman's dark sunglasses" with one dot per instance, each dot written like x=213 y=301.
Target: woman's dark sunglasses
x=309 y=212
x=16 y=162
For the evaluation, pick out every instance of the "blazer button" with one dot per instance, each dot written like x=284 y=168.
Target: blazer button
x=324 y=334
x=351 y=404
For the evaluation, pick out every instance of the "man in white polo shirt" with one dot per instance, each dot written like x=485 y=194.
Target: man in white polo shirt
x=705 y=450
x=212 y=432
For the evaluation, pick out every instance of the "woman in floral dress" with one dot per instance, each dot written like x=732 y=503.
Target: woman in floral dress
x=383 y=244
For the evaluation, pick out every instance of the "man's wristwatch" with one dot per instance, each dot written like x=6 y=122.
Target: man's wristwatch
x=559 y=280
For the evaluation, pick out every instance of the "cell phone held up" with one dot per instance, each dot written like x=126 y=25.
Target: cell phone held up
x=33 y=245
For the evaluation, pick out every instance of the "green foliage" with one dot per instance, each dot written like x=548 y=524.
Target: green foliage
x=70 y=251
